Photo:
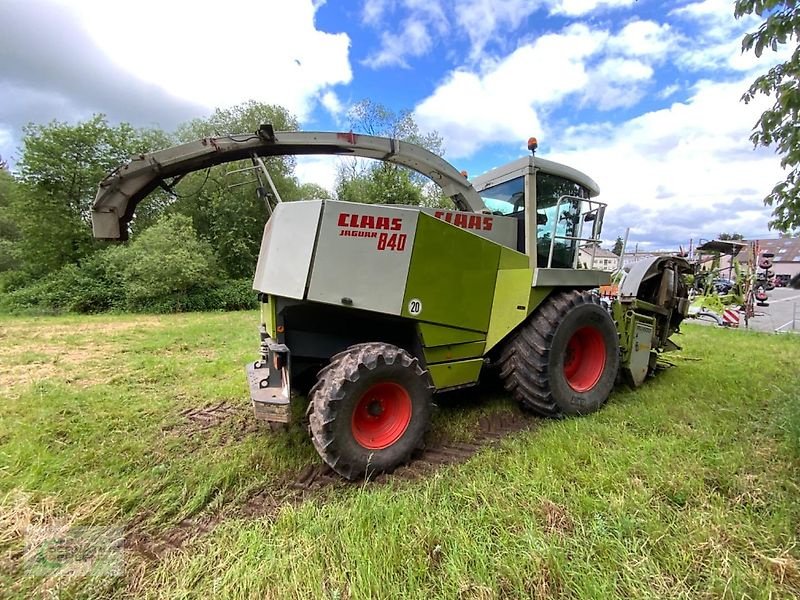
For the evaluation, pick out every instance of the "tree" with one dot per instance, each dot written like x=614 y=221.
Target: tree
x=223 y=206
x=9 y=232
x=730 y=236
x=384 y=182
x=617 y=249
x=164 y=264
x=777 y=126
x=58 y=172
x=312 y=191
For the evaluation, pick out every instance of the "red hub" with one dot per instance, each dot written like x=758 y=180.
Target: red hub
x=585 y=359
x=381 y=416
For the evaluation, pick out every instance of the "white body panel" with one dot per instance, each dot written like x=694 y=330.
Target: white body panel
x=286 y=249
x=362 y=257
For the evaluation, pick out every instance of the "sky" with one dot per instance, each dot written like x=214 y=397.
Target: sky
x=642 y=95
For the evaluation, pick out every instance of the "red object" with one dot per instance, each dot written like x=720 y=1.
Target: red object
x=381 y=416
x=731 y=317
x=585 y=359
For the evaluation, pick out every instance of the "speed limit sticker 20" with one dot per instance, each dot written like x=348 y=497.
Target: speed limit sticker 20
x=414 y=307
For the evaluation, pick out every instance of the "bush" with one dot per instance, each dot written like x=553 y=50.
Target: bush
x=87 y=288
x=166 y=269
x=226 y=294
x=164 y=265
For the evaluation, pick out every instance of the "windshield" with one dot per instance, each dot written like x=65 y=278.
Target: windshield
x=561 y=223
x=507 y=198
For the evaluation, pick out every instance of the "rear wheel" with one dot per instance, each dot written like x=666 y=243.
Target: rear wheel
x=369 y=409
x=564 y=359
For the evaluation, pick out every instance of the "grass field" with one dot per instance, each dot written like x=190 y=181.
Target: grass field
x=139 y=427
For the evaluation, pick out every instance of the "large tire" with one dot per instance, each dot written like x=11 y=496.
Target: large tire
x=369 y=409
x=565 y=357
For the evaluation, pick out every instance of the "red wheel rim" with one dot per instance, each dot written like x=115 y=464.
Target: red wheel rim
x=585 y=359
x=381 y=416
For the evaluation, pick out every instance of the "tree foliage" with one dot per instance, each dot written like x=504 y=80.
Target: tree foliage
x=730 y=236
x=382 y=182
x=223 y=205
x=58 y=172
x=617 y=249
x=168 y=260
x=777 y=126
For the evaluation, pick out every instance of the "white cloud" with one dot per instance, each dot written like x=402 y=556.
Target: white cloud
x=373 y=11
x=644 y=39
x=318 y=169
x=483 y=22
x=678 y=168
x=6 y=143
x=614 y=83
x=505 y=101
x=577 y=8
x=473 y=109
x=332 y=103
x=482 y=19
x=669 y=91
x=413 y=40
x=716 y=18
x=717 y=44
x=199 y=51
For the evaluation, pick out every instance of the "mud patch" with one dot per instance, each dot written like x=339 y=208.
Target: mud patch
x=556 y=518
x=491 y=429
x=235 y=419
x=152 y=548
x=317 y=481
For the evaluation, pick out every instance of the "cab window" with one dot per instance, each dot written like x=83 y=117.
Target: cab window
x=507 y=198
x=564 y=220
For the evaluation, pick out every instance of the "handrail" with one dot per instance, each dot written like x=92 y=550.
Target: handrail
x=595 y=206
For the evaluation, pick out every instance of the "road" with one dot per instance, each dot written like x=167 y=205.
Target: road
x=782 y=301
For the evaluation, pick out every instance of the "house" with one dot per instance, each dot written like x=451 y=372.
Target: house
x=604 y=260
x=787 y=254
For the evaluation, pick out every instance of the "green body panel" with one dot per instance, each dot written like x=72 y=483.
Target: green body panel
x=454 y=374
x=514 y=298
x=268 y=316
x=511 y=259
x=537 y=296
x=453 y=352
x=440 y=335
x=510 y=307
x=625 y=318
x=452 y=273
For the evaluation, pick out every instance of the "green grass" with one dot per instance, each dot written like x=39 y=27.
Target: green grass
x=687 y=487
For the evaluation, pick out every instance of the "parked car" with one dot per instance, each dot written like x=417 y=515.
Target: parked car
x=782 y=280
x=722 y=286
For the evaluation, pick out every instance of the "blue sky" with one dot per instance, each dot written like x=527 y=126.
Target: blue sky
x=642 y=95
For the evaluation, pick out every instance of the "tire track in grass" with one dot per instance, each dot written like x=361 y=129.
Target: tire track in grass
x=316 y=480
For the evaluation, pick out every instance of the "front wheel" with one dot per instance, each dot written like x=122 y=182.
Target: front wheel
x=369 y=409
x=564 y=359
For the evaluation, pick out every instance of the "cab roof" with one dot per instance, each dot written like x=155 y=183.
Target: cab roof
x=541 y=164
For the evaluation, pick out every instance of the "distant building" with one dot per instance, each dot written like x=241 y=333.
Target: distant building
x=785 y=262
x=633 y=257
x=787 y=254
x=604 y=260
